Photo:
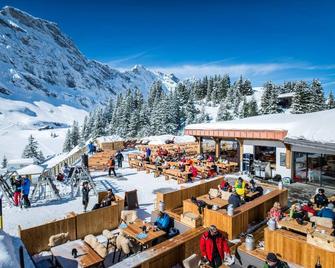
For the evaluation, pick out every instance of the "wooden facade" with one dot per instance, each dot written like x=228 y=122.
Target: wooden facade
x=294 y=248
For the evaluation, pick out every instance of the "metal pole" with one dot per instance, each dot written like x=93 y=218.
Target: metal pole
x=1 y=220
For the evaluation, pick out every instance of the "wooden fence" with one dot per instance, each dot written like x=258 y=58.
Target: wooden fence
x=168 y=253
x=36 y=239
x=255 y=210
x=175 y=199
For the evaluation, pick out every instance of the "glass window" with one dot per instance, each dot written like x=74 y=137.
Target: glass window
x=328 y=170
x=300 y=166
x=265 y=154
x=314 y=165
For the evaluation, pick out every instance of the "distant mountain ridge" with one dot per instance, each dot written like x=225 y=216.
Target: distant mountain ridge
x=39 y=62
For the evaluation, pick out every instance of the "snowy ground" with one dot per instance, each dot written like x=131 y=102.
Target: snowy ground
x=128 y=179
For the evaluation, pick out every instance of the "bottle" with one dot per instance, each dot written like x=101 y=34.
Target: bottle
x=318 y=263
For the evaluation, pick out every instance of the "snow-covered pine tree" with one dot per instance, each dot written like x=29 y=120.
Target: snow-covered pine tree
x=269 y=99
x=244 y=108
x=301 y=99
x=75 y=134
x=40 y=157
x=182 y=93
x=224 y=112
x=155 y=93
x=317 y=97
x=67 y=146
x=144 y=121
x=331 y=101
x=191 y=112
x=108 y=111
x=246 y=88
x=253 y=107
x=203 y=116
x=223 y=86
x=210 y=85
x=4 y=162
x=31 y=149
x=99 y=128
x=84 y=129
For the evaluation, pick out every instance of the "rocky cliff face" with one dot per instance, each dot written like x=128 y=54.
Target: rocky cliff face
x=39 y=62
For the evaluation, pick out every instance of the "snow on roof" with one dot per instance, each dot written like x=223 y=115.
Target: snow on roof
x=111 y=138
x=22 y=161
x=315 y=127
x=156 y=140
x=31 y=170
x=286 y=95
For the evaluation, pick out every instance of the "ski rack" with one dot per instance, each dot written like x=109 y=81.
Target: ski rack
x=5 y=188
x=45 y=181
x=78 y=175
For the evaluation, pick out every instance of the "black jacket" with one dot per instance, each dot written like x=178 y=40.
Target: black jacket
x=119 y=157
x=85 y=192
x=235 y=200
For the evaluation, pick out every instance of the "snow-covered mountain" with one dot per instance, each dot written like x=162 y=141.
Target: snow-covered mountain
x=40 y=63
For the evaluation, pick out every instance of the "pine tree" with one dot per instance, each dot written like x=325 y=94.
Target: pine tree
x=191 y=112
x=244 y=108
x=40 y=157
x=84 y=130
x=210 y=85
x=331 y=101
x=108 y=111
x=99 y=128
x=223 y=86
x=155 y=93
x=247 y=88
x=269 y=99
x=301 y=99
x=67 y=146
x=75 y=134
x=317 y=98
x=224 y=112
x=4 y=162
x=253 y=107
x=31 y=149
x=203 y=116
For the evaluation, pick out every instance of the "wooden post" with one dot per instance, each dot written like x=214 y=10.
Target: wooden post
x=288 y=156
x=217 y=147
x=199 y=141
x=240 y=142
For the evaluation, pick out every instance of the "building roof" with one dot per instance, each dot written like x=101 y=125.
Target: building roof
x=31 y=170
x=314 y=127
x=112 y=138
x=21 y=161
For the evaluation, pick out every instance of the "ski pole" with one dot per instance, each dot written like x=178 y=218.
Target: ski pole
x=1 y=220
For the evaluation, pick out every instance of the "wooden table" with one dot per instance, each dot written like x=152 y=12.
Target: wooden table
x=180 y=176
x=291 y=224
x=214 y=201
x=251 y=194
x=87 y=257
x=135 y=228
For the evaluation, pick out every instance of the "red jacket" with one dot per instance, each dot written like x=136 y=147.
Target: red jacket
x=206 y=246
x=309 y=209
x=194 y=171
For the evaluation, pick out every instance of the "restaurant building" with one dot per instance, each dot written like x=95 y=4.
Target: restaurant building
x=297 y=146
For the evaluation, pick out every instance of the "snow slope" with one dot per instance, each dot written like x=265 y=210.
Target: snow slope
x=20 y=119
x=39 y=62
x=317 y=127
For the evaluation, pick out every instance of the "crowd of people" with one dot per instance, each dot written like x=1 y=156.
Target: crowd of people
x=21 y=187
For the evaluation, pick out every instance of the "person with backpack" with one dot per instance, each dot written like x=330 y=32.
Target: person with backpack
x=25 y=191
x=273 y=262
x=17 y=184
x=119 y=158
x=214 y=247
x=163 y=222
x=111 y=166
x=85 y=191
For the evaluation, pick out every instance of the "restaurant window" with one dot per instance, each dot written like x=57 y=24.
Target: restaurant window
x=328 y=170
x=283 y=159
x=265 y=154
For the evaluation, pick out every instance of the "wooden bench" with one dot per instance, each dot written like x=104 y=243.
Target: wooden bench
x=175 y=213
x=175 y=174
x=139 y=165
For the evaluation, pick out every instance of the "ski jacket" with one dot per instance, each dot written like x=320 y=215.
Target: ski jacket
x=111 y=163
x=206 y=246
x=26 y=186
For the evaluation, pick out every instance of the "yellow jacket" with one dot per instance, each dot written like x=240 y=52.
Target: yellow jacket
x=240 y=190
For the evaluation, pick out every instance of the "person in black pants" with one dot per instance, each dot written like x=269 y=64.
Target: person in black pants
x=119 y=158
x=111 y=166
x=85 y=191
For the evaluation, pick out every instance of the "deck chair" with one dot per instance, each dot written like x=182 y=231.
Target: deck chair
x=130 y=200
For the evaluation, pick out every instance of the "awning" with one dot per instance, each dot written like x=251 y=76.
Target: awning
x=327 y=148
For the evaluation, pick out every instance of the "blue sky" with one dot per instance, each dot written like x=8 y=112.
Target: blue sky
x=262 y=40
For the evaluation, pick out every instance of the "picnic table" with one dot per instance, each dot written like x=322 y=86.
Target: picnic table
x=135 y=228
x=292 y=224
x=180 y=176
x=213 y=201
x=87 y=257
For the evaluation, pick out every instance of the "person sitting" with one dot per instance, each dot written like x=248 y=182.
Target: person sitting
x=214 y=247
x=163 y=222
x=210 y=158
x=308 y=208
x=158 y=160
x=200 y=157
x=240 y=186
x=320 y=199
x=234 y=199
x=194 y=171
x=225 y=186
x=181 y=166
x=327 y=212
x=106 y=201
x=276 y=212
x=273 y=262
x=296 y=212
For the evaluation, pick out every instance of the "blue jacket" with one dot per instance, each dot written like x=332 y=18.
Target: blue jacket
x=90 y=147
x=148 y=152
x=326 y=213
x=26 y=186
x=163 y=222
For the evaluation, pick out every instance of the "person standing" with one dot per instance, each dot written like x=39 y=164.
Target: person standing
x=111 y=166
x=85 y=191
x=25 y=191
x=119 y=158
x=214 y=247
x=17 y=185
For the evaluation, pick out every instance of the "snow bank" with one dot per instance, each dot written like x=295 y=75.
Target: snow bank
x=315 y=127
x=111 y=138
x=9 y=252
x=31 y=170
x=157 y=140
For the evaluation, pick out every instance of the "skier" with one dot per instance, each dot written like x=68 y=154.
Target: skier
x=17 y=183
x=66 y=170
x=25 y=191
x=111 y=166
x=119 y=157
x=85 y=191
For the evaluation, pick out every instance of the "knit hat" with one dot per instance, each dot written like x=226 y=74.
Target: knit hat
x=271 y=257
